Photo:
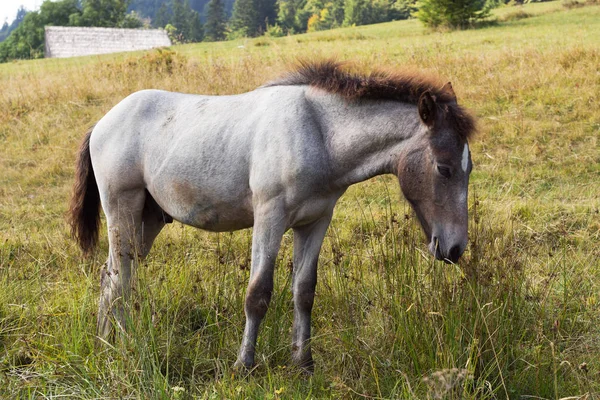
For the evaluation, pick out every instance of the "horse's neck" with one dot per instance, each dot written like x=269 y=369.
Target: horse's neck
x=364 y=138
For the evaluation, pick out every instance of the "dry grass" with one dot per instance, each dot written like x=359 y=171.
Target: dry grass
x=518 y=317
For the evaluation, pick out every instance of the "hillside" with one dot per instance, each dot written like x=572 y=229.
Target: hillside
x=519 y=317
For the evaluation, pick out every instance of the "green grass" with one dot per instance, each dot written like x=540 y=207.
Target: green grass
x=519 y=317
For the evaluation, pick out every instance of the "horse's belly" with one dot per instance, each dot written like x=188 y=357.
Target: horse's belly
x=217 y=219
x=212 y=217
x=206 y=208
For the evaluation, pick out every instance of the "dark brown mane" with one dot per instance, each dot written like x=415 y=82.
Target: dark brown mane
x=331 y=76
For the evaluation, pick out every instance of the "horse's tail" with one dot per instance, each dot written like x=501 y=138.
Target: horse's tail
x=84 y=212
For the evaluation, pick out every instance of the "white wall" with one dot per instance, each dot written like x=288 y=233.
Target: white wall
x=62 y=41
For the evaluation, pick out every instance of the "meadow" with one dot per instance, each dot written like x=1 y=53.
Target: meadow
x=517 y=318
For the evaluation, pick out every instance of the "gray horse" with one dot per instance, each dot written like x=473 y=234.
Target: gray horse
x=276 y=158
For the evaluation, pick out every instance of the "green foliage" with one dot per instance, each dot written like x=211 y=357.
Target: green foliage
x=245 y=17
x=154 y=8
x=185 y=25
x=403 y=9
x=104 y=13
x=58 y=13
x=27 y=40
x=452 y=13
x=362 y=12
x=251 y=17
x=355 y=12
x=216 y=21
x=133 y=20
x=173 y=34
x=274 y=31
x=146 y=8
x=162 y=16
x=194 y=31
x=286 y=15
x=7 y=29
x=296 y=16
x=516 y=15
x=267 y=13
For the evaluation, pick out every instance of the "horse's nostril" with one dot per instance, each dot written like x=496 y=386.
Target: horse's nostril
x=455 y=253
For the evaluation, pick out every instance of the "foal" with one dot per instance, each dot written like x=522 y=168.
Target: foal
x=274 y=159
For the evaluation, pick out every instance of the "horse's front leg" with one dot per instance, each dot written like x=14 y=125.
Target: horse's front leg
x=307 y=245
x=269 y=227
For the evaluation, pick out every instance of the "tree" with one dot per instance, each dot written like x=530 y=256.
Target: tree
x=194 y=29
x=187 y=21
x=162 y=16
x=245 y=18
x=322 y=15
x=183 y=22
x=105 y=13
x=287 y=15
x=27 y=40
x=179 y=16
x=132 y=20
x=267 y=13
x=403 y=9
x=216 y=20
x=452 y=13
x=7 y=29
x=250 y=17
x=58 y=13
x=356 y=12
x=145 y=8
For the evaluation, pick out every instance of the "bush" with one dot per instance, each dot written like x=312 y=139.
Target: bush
x=516 y=15
x=452 y=13
x=274 y=31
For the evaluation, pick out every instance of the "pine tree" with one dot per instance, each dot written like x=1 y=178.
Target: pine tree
x=215 y=21
x=452 y=13
x=267 y=13
x=162 y=16
x=245 y=17
x=179 y=17
x=195 y=30
x=286 y=16
x=356 y=12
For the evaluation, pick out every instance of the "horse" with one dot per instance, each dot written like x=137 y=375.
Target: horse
x=276 y=158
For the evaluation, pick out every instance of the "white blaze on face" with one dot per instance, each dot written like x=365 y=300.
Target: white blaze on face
x=465 y=158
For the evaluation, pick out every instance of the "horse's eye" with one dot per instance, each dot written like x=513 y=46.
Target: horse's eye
x=444 y=171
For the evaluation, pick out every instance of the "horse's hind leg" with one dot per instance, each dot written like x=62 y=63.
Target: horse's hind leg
x=153 y=220
x=134 y=220
x=307 y=245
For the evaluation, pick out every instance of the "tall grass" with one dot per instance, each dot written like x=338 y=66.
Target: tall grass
x=517 y=318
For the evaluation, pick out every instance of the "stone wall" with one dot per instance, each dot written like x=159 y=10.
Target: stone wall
x=62 y=41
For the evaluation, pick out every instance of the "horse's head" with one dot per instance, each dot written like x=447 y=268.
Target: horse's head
x=434 y=175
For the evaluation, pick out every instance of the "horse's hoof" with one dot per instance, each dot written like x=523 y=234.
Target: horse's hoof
x=308 y=370
x=305 y=364
x=241 y=368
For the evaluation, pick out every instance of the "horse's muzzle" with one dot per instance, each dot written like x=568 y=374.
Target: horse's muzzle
x=450 y=256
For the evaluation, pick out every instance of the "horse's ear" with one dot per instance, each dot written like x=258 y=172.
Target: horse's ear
x=427 y=108
x=448 y=89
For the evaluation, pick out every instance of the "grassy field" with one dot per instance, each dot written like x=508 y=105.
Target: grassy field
x=519 y=317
